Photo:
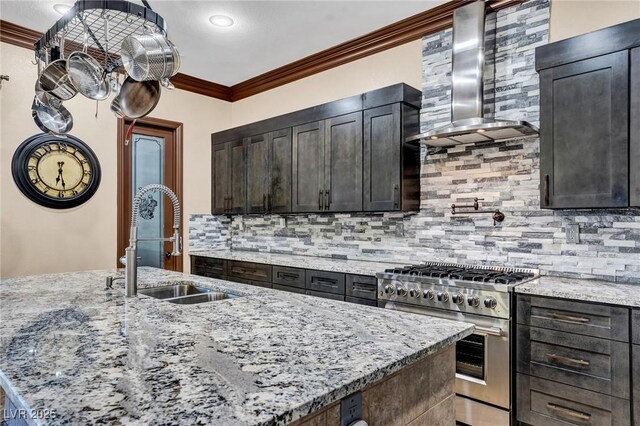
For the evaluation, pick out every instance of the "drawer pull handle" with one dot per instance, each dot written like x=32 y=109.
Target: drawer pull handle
x=568 y=412
x=289 y=277
x=326 y=283
x=569 y=318
x=565 y=359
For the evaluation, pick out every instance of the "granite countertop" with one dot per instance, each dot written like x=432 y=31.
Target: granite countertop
x=586 y=290
x=266 y=358
x=347 y=266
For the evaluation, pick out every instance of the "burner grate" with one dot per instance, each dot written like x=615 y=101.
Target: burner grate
x=487 y=274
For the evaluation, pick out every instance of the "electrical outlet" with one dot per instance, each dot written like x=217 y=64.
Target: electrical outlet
x=573 y=233
x=338 y=228
x=400 y=229
x=351 y=409
x=283 y=222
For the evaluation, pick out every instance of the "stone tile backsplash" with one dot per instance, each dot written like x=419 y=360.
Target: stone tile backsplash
x=504 y=174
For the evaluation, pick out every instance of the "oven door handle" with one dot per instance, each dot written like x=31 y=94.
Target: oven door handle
x=488 y=331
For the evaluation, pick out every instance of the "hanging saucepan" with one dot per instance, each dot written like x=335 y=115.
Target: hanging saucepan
x=86 y=74
x=135 y=100
x=150 y=57
x=55 y=79
x=138 y=98
x=51 y=119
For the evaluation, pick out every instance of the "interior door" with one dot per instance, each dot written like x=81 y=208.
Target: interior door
x=153 y=156
x=343 y=163
x=308 y=167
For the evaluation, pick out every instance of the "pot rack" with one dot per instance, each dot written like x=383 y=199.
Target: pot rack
x=125 y=19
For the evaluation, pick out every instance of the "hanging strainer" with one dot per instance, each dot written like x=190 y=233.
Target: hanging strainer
x=149 y=57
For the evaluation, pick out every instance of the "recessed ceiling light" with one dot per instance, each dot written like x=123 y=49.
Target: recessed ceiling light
x=221 y=21
x=61 y=8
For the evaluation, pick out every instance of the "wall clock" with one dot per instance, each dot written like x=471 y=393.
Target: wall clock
x=56 y=172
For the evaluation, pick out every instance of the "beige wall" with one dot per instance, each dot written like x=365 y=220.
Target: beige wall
x=574 y=17
x=402 y=64
x=35 y=239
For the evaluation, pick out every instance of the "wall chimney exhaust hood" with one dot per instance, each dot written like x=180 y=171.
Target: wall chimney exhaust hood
x=469 y=125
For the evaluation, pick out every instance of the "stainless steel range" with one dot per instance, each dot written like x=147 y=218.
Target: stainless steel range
x=476 y=294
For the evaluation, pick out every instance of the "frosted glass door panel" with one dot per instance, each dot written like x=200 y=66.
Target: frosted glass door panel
x=148 y=167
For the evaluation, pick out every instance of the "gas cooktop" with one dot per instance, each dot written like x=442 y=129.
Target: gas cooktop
x=465 y=273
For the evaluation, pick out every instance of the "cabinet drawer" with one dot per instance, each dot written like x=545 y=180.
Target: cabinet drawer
x=606 y=322
x=249 y=271
x=293 y=277
x=587 y=362
x=362 y=286
x=359 y=301
x=289 y=289
x=324 y=295
x=546 y=403
x=326 y=282
x=250 y=282
x=208 y=267
x=635 y=326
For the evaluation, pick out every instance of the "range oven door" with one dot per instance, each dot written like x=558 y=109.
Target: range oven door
x=482 y=359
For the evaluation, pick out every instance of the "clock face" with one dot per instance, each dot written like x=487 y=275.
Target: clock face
x=56 y=172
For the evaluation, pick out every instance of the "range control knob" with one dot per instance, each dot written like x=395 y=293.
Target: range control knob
x=473 y=301
x=429 y=294
x=415 y=293
x=443 y=297
x=490 y=302
x=401 y=291
x=458 y=299
x=389 y=289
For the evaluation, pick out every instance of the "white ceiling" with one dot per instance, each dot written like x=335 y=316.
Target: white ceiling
x=267 y=34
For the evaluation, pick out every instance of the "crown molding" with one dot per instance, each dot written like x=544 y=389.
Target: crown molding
x=17 y=35
x=396 y=34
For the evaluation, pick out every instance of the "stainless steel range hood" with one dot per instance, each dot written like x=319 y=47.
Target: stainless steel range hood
x=469 y=125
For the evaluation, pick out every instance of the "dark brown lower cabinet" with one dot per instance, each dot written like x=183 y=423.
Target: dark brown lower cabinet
x=573 y=363
x=548 y=403
x=359 y=289
x=636 y=384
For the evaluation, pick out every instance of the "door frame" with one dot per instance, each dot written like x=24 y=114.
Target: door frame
x=123 y=220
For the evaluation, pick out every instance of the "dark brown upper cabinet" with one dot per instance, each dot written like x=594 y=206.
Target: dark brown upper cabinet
x=228 y=182
x=307 y=193
x=391 y=174
x=589 y=125
x=343 y=156
x=269 y=172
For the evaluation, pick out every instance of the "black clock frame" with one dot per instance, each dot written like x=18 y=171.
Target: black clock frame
x=20 y=171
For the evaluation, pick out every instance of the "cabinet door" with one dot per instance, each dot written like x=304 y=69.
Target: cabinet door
x=279 y=196
x=220 y=178
x=634 y=137
x=343 y=163
x=382 y=147
x=308 y=167
x=257 y=173
x=237 y=164
x=584 y=140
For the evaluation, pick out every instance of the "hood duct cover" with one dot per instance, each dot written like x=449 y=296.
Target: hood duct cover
x=469 y=125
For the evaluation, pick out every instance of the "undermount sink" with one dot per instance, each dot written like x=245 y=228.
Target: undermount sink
x=186 y=294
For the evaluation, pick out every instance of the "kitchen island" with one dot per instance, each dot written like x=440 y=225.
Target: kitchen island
x=74 y=352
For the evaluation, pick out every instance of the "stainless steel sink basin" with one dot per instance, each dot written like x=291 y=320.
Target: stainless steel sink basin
x=201 y=298
x=171 y=291
x=185 y=294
